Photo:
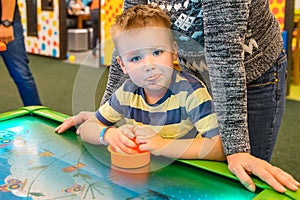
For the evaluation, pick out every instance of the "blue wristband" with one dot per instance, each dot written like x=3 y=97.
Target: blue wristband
x=102 y=133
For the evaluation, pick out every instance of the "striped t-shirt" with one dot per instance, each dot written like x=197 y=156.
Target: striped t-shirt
x=185 y=111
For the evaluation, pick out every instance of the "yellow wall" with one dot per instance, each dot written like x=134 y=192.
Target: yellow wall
x=109 y=10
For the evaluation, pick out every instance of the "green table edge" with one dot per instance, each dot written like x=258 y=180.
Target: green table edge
x=269 y=194
x=219 y=168
x=37 y=110
x=12 y=114
x=222 y=169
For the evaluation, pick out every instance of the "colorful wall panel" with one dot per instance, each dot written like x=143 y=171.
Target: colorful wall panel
x=278 y=9
x=48 y=39
x=109 y=9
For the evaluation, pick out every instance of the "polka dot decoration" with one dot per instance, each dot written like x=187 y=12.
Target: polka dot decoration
x=278 y=9
x=109 y=10
x=47 y=41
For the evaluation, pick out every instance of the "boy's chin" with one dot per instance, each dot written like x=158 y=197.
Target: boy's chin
x=155 y=87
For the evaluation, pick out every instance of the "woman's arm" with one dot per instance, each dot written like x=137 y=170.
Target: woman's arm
x=225 y=26
x=116 y=76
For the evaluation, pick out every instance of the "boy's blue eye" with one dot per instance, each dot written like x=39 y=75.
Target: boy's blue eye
x=157 y=52
x=135 y=59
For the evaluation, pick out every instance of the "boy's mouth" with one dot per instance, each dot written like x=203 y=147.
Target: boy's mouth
x=153 y=78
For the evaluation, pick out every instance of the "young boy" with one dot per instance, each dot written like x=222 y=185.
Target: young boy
x=166 y=111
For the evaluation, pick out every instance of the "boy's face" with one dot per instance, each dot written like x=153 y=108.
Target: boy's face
x=147 y=56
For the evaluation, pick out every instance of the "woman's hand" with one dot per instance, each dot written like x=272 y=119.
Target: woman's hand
x=243 y=164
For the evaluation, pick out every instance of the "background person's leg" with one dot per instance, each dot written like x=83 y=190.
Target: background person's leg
x=16 y=61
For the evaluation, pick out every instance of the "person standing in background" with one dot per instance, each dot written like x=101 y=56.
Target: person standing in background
x=15 y=57
x=95 y=18
x=75 y=7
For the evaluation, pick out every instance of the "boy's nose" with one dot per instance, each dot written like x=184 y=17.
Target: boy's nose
x=149 y=64
x=150 y=67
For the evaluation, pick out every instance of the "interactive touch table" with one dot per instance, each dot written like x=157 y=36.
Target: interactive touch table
x=37 y=163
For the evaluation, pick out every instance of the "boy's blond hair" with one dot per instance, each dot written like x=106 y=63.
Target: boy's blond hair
x=140 y=16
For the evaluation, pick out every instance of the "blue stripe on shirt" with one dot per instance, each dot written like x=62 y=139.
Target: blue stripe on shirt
x=201 y=111
x=102 y=119
x=155 y=118
x=188 y=83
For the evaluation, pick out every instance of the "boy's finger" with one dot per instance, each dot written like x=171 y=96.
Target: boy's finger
x=128 y=133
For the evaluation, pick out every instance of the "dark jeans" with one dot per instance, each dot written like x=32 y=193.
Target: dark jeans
x=16 y=61
x=266 y=103
x=95 y=14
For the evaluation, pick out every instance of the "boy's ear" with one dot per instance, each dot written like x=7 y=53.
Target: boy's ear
x=119 y=60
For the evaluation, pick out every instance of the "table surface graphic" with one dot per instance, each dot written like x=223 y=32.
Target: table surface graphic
x=37 y=163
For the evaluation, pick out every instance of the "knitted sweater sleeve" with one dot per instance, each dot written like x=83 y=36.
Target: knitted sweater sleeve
x=225 y=25
x=116 y=76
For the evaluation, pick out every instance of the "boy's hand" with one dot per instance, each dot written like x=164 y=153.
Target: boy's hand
x=149 y=140
x=128 y=130
x=119 y=140
x=73 y=121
